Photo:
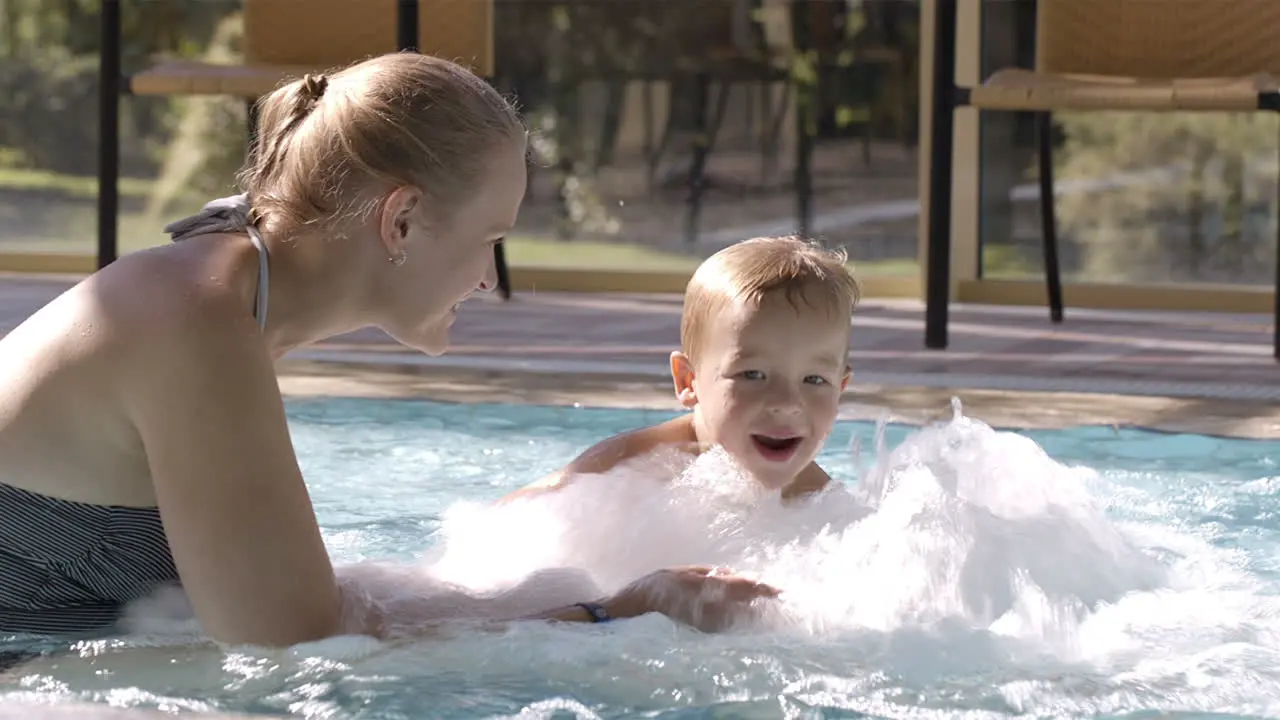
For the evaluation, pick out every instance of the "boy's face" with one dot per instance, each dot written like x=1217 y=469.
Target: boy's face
x=767 y=385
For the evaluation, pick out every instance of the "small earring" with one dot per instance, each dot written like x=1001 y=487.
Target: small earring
x=398 y=260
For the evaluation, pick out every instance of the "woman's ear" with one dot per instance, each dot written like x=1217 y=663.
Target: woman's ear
x=397 y=216
x=682 y=379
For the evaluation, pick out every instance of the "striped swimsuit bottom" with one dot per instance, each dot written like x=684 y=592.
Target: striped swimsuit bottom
x=69 y=568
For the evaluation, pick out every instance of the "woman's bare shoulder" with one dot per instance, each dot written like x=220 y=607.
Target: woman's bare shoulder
x=126 y=315
x=79 y=371
x=163 y=286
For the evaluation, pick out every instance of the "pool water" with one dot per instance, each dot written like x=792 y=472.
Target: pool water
x=957 y=570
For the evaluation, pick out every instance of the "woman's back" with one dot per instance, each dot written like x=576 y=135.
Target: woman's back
x=64 y=428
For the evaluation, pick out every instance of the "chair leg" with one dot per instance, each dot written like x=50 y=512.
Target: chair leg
x=109 y=90
x=407 y=25
x=942 y=142
x=504 y=275
x=1048 y=215
x=654 y=158
x=803 y=177
x=698 y=165
x=1275 y=318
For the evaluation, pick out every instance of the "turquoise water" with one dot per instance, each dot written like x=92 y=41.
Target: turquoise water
x=1089 y=572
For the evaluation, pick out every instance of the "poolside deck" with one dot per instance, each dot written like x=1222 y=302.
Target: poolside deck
x=1212 y=371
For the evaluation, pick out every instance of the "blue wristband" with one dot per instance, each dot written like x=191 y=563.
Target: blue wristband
x=596 y=611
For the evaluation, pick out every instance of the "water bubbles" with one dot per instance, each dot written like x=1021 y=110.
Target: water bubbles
x=967 y=571
x=964 y=552
x=959 y=522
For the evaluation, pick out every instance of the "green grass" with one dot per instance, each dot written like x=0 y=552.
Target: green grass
x=72 y=185
x=575 y=254
x=74 y=232
x=591 y=254
x=885 y=268
x=138 y=232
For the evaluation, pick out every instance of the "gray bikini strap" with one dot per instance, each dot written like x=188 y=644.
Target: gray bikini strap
x=264 y=276
x=229 y=215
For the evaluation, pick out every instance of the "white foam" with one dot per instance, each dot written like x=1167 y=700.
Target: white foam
x=963 y=550
x=959 y=523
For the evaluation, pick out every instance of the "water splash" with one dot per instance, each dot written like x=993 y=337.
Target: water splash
x=964 y=571
x=958 y=524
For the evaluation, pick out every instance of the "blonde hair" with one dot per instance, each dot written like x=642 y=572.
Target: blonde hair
x=327 y=142
x=749 y=272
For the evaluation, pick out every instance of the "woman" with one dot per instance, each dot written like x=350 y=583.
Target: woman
x=143 y=438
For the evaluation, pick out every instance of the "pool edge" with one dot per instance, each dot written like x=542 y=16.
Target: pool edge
x=900 y=403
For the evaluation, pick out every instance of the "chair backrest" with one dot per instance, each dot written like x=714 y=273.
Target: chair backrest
x=1158 y=39
x=327 y=33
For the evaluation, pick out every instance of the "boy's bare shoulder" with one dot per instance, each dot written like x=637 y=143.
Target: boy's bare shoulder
x=613 y=451
x=610 y=452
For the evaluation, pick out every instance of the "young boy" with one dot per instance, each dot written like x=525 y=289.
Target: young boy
x=764 y=340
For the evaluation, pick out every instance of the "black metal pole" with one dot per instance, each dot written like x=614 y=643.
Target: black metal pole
x=109 y=82
x=407 y=25
x=1048 y=215
x=942 y=139
x=504 y=274
x=804 y=168
x=806 y=110
x=698 y=164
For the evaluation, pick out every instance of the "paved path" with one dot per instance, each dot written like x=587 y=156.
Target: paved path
x=1206 y=355
x=1174 y=354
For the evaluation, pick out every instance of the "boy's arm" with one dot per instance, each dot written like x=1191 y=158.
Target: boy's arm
x=610 y=452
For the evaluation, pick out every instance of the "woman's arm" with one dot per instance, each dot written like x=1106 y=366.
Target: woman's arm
x=205 y=401
x=709 y=599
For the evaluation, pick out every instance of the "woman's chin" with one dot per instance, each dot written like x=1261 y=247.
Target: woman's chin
x=430 y=339
x=435 y=345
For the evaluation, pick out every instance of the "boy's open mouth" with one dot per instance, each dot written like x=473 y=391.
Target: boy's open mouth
x=776 y=448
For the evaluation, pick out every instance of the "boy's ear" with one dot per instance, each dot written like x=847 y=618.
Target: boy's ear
x=682 y=379
x=844 y=381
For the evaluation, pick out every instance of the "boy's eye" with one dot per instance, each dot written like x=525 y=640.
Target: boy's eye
x=751 y=375
x=815 y=380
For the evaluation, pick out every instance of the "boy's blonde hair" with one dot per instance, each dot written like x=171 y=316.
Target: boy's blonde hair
x=748 y=272
x=328 y=144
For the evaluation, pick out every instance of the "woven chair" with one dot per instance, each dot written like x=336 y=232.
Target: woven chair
x=285 y=39
x=1101 y=55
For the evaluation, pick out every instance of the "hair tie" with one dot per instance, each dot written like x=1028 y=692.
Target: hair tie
x=313 y=86
x=224 y=215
